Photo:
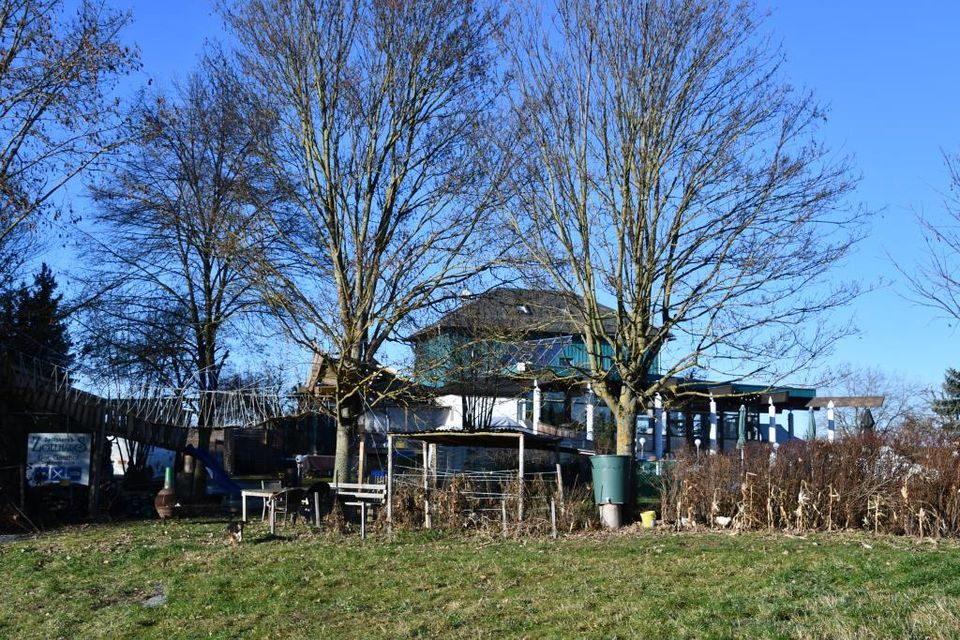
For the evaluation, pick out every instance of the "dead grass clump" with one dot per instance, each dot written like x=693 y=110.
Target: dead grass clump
x=890 y=484
x=466 y=504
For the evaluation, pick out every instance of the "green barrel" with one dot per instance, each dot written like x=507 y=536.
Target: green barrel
x=610 y=477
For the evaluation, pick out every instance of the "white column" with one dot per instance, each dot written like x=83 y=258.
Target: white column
x=589 y=413
x=536 y=406
x=831 y=424
x=772 y=431
x=657 y=433
x=713 y=425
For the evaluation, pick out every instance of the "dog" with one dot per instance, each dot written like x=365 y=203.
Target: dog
x=235 y=532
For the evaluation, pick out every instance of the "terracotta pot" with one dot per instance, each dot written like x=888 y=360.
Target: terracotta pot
x=166 y=497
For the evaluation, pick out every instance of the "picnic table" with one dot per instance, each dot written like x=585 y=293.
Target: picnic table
x=353 y=494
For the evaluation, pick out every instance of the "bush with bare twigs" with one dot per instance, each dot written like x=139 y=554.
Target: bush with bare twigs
x=903 y=483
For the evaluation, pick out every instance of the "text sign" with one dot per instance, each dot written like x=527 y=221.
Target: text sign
x=58 y=458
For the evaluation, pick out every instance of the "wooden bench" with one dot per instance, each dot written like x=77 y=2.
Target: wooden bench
x=362 y=495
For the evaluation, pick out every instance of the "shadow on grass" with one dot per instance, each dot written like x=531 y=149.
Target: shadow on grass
x=271 y=538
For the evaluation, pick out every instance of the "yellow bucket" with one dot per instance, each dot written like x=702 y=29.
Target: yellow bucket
x=648 y=518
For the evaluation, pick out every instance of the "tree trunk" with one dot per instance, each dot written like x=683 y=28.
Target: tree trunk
x=348 y=412
x=626 y=428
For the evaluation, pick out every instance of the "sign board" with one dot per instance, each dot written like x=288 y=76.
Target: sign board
x=58 y=458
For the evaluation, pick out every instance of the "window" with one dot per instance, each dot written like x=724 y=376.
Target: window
x=676 y=423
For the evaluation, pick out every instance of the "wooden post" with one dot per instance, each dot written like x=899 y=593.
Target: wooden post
x=520 y=484
x=96 y=462
x=433 y=465
x=361 y=457
x=23 y=487
x=560 y=487
x=390 y=481
x=426 y=488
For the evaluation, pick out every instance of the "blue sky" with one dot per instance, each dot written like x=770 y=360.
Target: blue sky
x=887 y=72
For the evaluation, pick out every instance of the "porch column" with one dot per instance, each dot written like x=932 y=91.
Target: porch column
x=657 y=432
x=589 y=418
x=652 y=426
x=713 y=425
x=772 y=430
x=536 y=405
x=831 y=423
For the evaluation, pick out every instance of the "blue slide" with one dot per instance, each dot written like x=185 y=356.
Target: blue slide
x=218 y=477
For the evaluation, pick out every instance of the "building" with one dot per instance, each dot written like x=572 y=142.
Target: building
x=515 y=358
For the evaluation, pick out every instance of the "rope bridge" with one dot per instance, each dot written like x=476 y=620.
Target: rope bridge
x=157 y=416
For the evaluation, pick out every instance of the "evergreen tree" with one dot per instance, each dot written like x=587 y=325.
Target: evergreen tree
x=32 y=322
x=948 y=406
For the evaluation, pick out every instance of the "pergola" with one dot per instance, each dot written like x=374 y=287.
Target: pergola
x=490 y=437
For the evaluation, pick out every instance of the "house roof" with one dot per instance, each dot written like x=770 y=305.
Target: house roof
x=508 y=311
x=378 y=381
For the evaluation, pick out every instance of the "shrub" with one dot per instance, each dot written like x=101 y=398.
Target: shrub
x=901 y=483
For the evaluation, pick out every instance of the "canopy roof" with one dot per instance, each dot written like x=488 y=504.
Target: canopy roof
x=492 y=437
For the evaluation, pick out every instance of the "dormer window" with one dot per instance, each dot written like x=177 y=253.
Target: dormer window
x=524 y=309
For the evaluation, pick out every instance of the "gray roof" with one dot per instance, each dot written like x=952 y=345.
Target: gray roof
x=519 y=312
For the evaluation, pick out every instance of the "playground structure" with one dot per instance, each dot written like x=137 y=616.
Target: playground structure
x=159 y=417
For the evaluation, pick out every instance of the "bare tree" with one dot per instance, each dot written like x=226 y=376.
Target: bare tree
x=57 y=116
x=382 y=105
x=903 y=398
x=669 y=172
x=935 y=283
x=178 y=220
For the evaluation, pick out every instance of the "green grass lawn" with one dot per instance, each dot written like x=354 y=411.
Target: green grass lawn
x=92 y=583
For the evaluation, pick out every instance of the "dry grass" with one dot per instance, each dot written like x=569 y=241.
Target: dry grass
x=900 y=485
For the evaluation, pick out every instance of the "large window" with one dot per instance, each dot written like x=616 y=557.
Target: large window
x=676 y=423
x=728 y=425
